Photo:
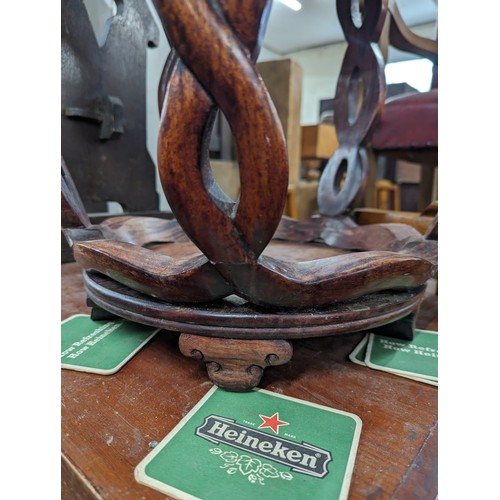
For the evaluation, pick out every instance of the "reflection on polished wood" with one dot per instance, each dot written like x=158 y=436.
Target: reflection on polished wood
x=109 y=421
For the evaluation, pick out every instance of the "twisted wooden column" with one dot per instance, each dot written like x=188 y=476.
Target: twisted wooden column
x=218 y=244
x=215 y=45
x=209 y=67
x=359 y=99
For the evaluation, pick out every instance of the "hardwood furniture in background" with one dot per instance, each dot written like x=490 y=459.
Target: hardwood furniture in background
x=307 y=199
x=387 y=195
x=283 y=80
x=366 y=123
x=425 y=222
x=319 y=142
x=407 y=128
x=103 y=122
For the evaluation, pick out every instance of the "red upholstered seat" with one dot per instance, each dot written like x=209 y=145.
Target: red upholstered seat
x=408 y=121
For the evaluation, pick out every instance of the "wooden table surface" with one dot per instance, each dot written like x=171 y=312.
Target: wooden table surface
x=108 y=422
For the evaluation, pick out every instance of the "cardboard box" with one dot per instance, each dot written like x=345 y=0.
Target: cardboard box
x=306 y=199
x=319 y=141
x=227 y=175
x=283 y=79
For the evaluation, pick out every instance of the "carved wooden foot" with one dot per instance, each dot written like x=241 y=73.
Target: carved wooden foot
x=235 y=365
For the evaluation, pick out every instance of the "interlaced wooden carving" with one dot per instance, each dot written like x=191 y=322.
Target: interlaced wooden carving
x=215 y=45
x=369 y=27
x=362 y=80
x=210 y=67
x=293 y=279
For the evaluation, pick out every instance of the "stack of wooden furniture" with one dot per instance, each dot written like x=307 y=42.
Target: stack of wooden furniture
x=318 y=144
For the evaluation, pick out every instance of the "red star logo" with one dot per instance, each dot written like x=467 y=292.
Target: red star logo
x=272 y=422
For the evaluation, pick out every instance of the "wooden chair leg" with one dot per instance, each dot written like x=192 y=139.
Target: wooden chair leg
x=387 y=195
x=291 y=203
x=426 y=186
x=370 y=197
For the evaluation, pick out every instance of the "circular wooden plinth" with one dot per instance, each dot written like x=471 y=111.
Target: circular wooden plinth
x=235 y=318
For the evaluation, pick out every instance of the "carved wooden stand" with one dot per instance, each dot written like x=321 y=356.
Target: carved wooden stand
x=237 y=279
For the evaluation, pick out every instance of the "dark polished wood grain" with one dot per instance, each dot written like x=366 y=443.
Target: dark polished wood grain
x=235 y=318
x=108 y=422
x=237 y=286
x=194 y=280
x=217 y=62
x=212 y=65
x=237 y=340
x=378 y=257
x=236 y=365
x=136 y=269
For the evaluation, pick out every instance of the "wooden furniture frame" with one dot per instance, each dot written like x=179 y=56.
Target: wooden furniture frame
x=238 y=279
x=367 y=124
x=110 y=423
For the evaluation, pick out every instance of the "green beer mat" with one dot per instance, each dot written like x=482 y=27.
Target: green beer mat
x=417 y=358
x=358 y=356
x=101 y=347
x=252 y=445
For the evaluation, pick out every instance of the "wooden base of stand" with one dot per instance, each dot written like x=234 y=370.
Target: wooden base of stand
x=146 y=399
x=236 y=339
x=236 y=365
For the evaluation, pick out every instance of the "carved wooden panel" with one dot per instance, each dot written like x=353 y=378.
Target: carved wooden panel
x=103 y=106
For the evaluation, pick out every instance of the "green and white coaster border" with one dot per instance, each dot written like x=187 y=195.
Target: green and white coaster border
x=110 y=371
x=407 y=374
x=363 y=345
x=140 y=470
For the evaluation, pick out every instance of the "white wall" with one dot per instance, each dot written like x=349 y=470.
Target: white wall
x=267 y=55
x=156 y=57
x=321 y=67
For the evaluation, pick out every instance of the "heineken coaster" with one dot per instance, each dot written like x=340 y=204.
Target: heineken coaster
x=101 y=347
x=256 y=444
x=358 y=355
x=417 y=358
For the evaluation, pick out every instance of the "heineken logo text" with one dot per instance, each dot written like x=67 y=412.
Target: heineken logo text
x=300 y=457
